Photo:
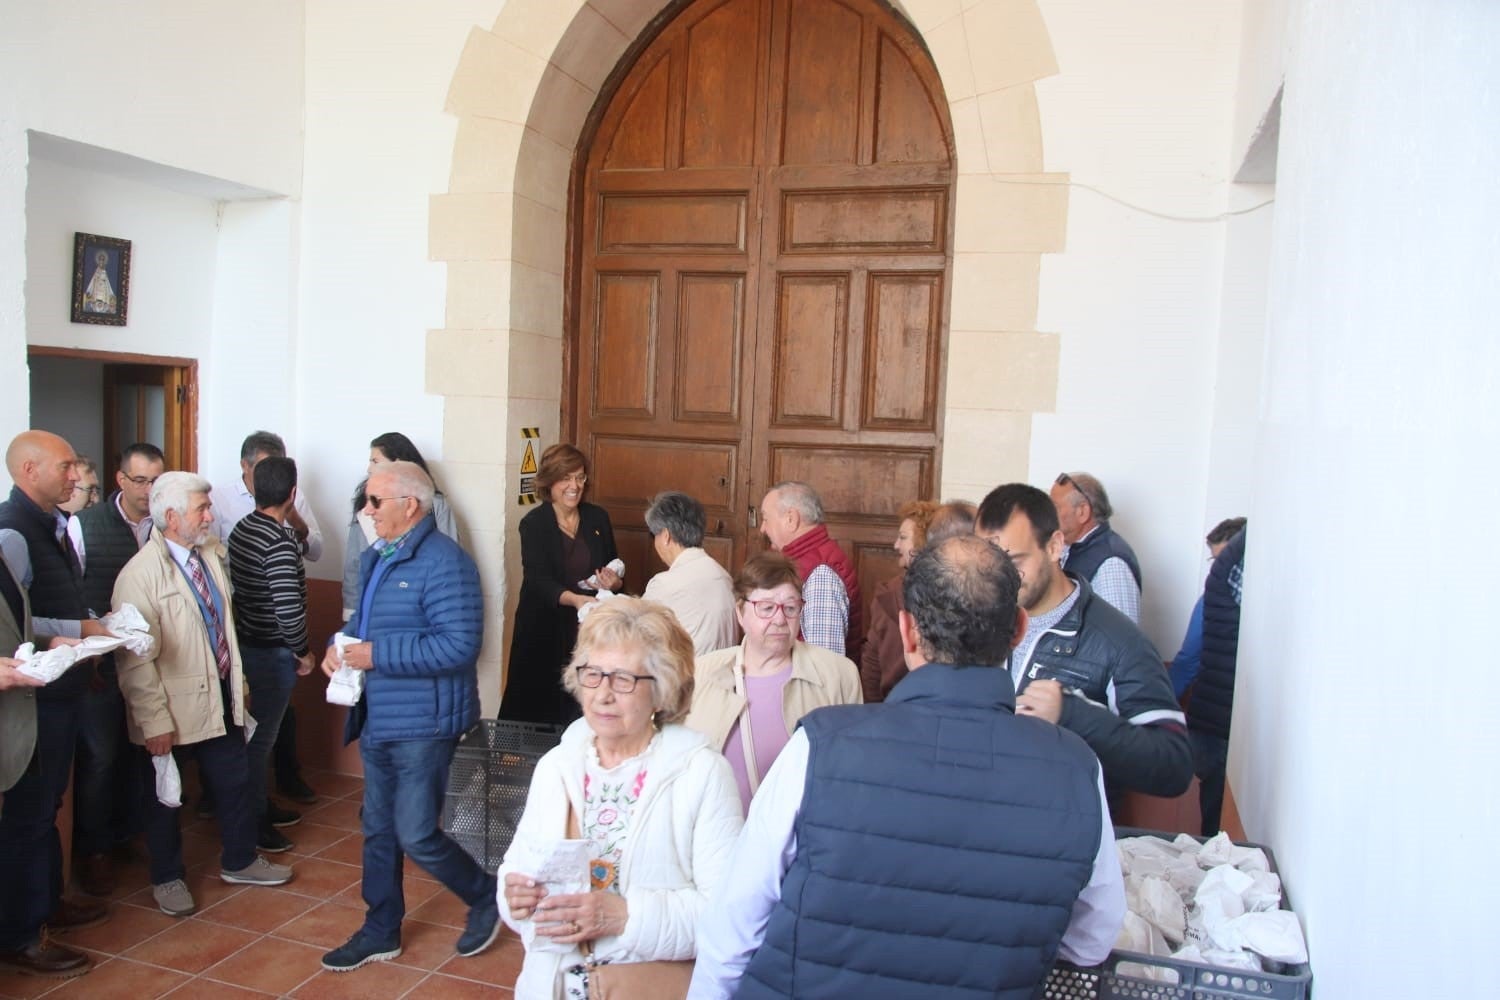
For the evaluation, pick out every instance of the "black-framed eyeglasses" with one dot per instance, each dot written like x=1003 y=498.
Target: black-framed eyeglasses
x=765 y=609
x=619 y=681
x=141 y=480
x=376 y=501
x=1067 y=480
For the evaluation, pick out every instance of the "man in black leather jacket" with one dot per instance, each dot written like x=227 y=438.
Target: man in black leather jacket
x=1083 y=664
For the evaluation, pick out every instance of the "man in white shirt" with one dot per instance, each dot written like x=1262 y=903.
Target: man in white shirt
x=232 y=501
x=933 y=843
x=697 y=589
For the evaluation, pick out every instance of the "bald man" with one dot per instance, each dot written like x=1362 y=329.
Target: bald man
x=43 y=468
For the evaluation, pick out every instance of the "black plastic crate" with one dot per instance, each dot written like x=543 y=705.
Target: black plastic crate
x=488 y=782
x=1194 y=980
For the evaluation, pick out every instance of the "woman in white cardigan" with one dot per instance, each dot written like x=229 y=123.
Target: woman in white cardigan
x=657 y=802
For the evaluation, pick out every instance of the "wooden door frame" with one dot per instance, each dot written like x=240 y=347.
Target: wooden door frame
x=189 y=458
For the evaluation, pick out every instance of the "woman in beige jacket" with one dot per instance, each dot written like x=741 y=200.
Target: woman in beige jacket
x=747 y=699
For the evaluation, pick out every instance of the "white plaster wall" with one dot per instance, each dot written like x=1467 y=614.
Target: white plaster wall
x=1239 y=350
x=212 y=86
x=172 y=261
x=1365 y=745
x=1141 y=108
x=378 y=146
x=1262 y=67
x=249 y=367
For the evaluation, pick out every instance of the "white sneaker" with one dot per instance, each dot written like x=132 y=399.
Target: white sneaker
x=173 y=898
x=258 y=872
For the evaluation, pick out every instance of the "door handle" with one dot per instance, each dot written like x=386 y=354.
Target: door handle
x=753 y=515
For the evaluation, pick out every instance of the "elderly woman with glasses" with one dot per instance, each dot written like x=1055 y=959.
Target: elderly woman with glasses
x=750 y=697
x=564 y=542
x=655 y=801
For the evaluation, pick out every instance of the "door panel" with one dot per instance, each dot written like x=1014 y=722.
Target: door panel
x=710 y=343
x=153 y=404
x=765 y=220
x=812 y=318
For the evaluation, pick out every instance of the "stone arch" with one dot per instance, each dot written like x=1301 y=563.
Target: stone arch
x=521 y=93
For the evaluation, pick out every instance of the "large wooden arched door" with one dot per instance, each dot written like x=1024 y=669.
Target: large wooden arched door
x=762 y=261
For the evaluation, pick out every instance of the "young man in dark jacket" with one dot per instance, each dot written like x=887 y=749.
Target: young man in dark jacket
x=1082 y=664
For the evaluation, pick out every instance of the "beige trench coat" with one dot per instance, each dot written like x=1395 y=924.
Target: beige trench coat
x=177 y=689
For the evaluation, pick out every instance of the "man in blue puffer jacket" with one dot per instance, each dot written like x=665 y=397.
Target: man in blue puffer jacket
x=420 y=623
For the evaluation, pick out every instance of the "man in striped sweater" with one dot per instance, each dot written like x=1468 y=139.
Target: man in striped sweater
x=270 y=615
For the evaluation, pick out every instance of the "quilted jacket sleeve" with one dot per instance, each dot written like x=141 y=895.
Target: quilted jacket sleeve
x=440 y=625
x=1144 y=747
x=662 y=923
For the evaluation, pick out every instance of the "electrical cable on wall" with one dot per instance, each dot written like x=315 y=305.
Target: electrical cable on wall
x=1220 y=217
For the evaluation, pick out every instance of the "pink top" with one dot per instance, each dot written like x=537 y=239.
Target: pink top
x=767 y=729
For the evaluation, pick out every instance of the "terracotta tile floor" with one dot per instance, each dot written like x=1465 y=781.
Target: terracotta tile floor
x=246 y=941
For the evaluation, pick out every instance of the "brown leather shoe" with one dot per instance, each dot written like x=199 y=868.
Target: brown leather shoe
x=76 y=914
x=46 y=958
x=96 y=875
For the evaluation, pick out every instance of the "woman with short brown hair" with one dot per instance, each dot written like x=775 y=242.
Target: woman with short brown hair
x=563 y=541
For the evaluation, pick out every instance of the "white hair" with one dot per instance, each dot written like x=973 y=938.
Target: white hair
x=802 y=498
x=172 y=491
x=411 y=480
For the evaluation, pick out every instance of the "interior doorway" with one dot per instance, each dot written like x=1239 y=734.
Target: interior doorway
x=762 y=248
x=102 y=401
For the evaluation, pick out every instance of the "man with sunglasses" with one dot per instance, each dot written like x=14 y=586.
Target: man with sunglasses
x=106 y=813
x=419 y=626
x=1095 y=552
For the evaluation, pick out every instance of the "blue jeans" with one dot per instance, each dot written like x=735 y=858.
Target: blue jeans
x=30 y=848
x=1210 y=755
x=271 y=674
x=404 y=787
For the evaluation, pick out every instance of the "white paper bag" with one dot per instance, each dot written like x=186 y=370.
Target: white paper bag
x=592 y=583
x=347 y=684
x=168 y=781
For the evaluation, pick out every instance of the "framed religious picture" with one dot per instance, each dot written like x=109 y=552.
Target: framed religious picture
x=101 y=279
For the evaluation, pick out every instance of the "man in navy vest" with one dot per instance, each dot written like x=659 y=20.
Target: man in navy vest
x=43 y=471
x=1095 y=551
x=936 y=845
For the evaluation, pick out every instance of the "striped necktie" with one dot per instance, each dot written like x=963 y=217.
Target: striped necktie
x=200 y=584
